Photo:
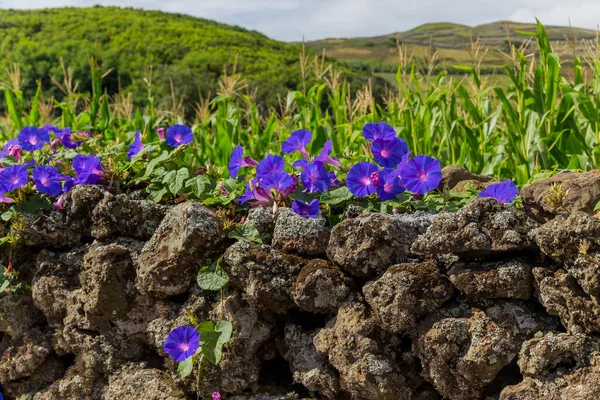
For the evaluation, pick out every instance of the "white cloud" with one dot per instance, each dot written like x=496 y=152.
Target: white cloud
x=314 y=19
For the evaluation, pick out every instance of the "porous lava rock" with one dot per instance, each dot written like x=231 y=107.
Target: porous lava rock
x=299 y=235
x=457 y=178
x=263 y=219
x=137 y=382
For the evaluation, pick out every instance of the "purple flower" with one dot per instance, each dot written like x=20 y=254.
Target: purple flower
x=504 y=192
x=421 y=174
x=64 y=136
x=315 y=178
x=359 y=179
x=32 y=138
x=59 y=203
x=46 y=180
x=11 y=148
x=305 y=209
x=324 y=156
x=279 y=181
x=269 y=164
x=237 y=161
x=334 y=180
x=161 y=133
x=381 y=130
x=389 y=185
x=136 y=146
x=182 y=343
x=13 y=177
x=389 y=152
x=179 y=134
x=88 y=168
x=215 y=396
x=297 y=141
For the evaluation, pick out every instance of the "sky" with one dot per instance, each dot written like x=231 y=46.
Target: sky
x=293 y=20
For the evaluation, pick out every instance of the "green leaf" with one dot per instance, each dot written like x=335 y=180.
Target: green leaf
x=185 y=367
x=198 y=185
x=156 y=191
x=174 y=180
x=8 y=214
x=153 y=163
x=336 y=196
x=36 y=203
x=212 y=339
x=212 y=277
x=247 y=233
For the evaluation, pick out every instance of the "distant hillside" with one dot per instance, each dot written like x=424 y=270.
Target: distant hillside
x=451 y=41
x=188 y=51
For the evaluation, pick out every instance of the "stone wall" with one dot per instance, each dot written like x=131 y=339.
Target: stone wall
x=490 y=302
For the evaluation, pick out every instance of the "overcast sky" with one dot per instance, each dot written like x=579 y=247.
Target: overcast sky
x=290 y=20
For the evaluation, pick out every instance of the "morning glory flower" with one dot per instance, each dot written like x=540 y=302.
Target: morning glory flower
x=297 y=141
x=161 y=133
x=389 y=152
x=389 y=185
x=325 y=158
x=421 y=174
x=46 y=180
x=14 y=177
x=88 y=168
x=279 y=181
x=270 y=164
x=136 y=146
x=32 y=138
x=215 y=396
x=504 y=192
x=237 y=161
x=179 y=134
x=182 y=343
x=64 y=136
x=11 y=148
x=306 y=210
x=381 y=130
x=359 y=179
x=315 y=178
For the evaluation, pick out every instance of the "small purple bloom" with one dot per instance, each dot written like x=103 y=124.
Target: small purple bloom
x=279 y=181
x=136 y=146
x=389 y=185
x=179 y=134
x=315 y=178
x=64 y=135
x=381 y=130
x=359 y=180
x=182 y=343
x=324 y=156
x=301 y=163
x=389 y=152
x=32 y=138
x=161 y=133
x=504 y=192
x=88 y=168
x=306 y=210
x=421 y=174
x=270 y=164
x=11 y=148
x=334 y=180
x=13 y=177
x=59 y=203
x=237 y=161
x=215 y=396
x=46 y=180
x=297 y=141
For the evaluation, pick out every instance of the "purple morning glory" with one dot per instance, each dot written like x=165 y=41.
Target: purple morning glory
x=13 y=177
x=64 y=136
x=161 y=133
x=182 y=343
x=324 y=156
x=32 y=138
x=297 y=141
x=179 y=134
x=504 y=192
x=136 y=146
x=46 y=180
x=389 y=185
x=88 y=168
x=421 y=174
x=11 y=148
x=307 y=210
x=269 y=164
x=278 y=181
x=315 y=178
x=237 y=161
x=359 y=179
x=381 y=130
x=389 y=152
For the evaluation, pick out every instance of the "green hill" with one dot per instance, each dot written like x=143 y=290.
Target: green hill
x=451 y=41
x=187 y=51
